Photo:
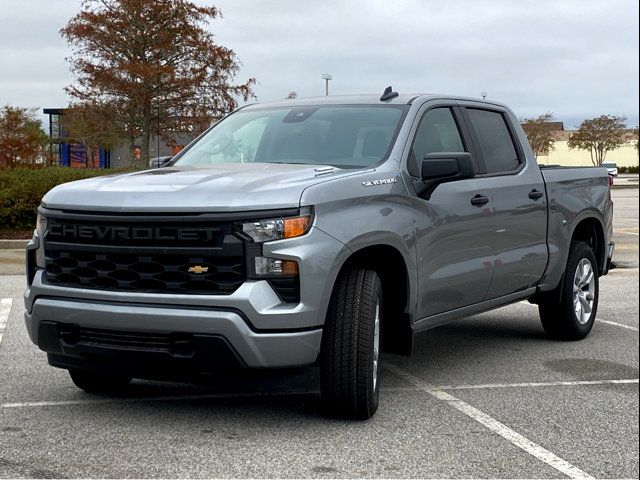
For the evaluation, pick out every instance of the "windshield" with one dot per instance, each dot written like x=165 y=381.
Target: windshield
x=342 y=136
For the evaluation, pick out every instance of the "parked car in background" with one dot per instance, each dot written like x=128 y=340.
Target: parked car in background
x=612 y=168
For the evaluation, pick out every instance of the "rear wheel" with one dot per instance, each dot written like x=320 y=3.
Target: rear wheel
x=350 y=357
x=573 y=317
x=99 y=382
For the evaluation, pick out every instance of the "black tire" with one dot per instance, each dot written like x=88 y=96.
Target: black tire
x=349 y=385
x=560 y=320
x=99 y=382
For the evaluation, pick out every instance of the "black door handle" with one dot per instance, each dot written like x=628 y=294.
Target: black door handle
x=535 y=194
x=479 y=200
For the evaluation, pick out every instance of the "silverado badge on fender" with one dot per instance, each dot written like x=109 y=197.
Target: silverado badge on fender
x=384 y=181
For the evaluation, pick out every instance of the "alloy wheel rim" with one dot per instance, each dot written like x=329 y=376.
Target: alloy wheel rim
x=376 y=344
x=584 y=286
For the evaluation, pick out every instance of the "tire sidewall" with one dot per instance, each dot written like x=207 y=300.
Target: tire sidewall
x=374 y=392
x=581 y=251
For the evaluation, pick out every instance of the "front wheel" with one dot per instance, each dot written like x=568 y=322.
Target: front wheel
x=350 y=356
x=573 y=317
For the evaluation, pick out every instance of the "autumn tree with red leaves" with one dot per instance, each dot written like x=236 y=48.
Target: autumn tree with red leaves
x=154 y=64
x=22 y=139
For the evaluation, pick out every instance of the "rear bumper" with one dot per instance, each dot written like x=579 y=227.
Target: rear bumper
x=195 y=339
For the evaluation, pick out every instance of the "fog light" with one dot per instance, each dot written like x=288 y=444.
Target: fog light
x=269 y=267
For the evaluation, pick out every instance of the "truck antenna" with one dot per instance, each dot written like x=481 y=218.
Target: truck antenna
x=388 y=94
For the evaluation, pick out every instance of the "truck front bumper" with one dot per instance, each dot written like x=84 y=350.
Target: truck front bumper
x=110 y=334
x=252 y=327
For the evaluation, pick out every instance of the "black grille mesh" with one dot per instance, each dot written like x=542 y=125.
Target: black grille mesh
x=152 y=341
x=180 y=266
x=148 y=273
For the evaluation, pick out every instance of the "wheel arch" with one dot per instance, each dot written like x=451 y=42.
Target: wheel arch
x=397 y=293
x=589 y=229
x=587 y=226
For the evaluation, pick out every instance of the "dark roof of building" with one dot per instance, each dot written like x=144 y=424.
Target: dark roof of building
x=555 y=126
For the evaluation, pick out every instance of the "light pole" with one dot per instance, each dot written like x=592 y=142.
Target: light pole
x=326 y=77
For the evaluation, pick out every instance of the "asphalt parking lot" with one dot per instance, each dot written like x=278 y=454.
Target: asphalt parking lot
x=487 y=396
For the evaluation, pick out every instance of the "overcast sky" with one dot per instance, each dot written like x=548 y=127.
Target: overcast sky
x=575 y=58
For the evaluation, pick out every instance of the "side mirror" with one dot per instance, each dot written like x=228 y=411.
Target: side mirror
x=447 y=167
x=159 y=162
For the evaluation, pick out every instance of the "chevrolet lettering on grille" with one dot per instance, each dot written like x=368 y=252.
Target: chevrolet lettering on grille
x=96 y=232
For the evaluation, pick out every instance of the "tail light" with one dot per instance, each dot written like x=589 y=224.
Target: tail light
x=610 y=180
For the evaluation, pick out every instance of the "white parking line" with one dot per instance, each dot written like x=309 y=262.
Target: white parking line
x=169 y=398
x=621 y=325
x=495 y=426
x=204 y=396
x=573 y=383
x=5 y=308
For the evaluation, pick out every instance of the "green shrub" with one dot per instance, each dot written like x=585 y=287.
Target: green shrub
x=632 y=169
x=623 y=169
x=22 y=189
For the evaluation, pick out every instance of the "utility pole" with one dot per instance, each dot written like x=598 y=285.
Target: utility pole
x=326 y=77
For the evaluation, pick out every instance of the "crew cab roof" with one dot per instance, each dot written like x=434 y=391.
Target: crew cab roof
x=362 y=99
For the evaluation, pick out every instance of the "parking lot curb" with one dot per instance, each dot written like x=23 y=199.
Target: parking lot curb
x=13 y=244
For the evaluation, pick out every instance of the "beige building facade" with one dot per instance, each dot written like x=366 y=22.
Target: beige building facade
x=625 y=156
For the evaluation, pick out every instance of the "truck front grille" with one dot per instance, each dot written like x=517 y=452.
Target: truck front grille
x=147 y=273
x=151 y=258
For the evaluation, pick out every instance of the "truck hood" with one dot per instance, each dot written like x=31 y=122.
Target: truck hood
x=228 y=187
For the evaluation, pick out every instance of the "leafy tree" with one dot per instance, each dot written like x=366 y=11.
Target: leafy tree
x=22 y=138
x=292 y=94
x=89 y=124
x=540 y=133
x=154 y=63
x=599 y=136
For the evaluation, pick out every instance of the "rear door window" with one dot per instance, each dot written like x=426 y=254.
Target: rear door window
x=494 y=140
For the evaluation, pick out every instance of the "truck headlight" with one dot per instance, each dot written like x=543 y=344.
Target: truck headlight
x=277 y=228
x=41 y=228
x=41 y=224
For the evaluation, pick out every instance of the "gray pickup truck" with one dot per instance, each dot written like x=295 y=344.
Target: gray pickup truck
x=316 y=231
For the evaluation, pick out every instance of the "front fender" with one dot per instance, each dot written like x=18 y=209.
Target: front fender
x=373 y=223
